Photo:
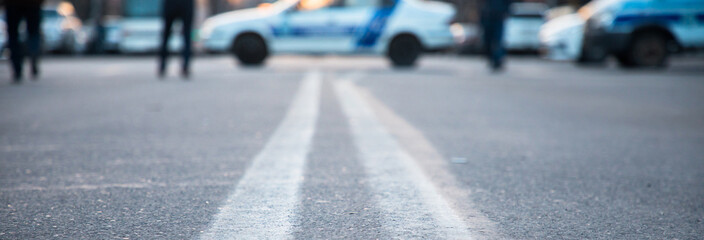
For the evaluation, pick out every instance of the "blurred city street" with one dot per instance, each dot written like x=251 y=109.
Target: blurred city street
x=327 y=147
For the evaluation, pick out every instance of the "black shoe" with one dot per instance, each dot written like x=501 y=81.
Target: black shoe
x=161 y=74
x=35 y=70
x=35 y=74
x=497 y=67
x=185 y=74
x=17 y=80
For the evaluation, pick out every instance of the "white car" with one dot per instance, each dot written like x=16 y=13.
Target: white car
x=523 y=26
x=61 y=29
x=561 y=38
x=140 y=28
x=401 y=29
x=142 y=35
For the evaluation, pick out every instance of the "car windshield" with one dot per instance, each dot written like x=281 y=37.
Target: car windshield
x=50 y=13
x=142 y=8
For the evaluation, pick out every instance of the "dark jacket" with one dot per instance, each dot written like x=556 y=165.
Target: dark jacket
x=22 y=3
x=178 y=6
x=496 y=8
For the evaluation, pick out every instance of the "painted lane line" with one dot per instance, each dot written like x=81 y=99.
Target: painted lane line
x=265 y=199
x=412 y=206
x=436 y=168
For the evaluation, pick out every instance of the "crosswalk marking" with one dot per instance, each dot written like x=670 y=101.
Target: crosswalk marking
x=264 y=202
x=413 y=208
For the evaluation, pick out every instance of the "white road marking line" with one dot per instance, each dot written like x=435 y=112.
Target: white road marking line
x=264 y=202
x=436 y=167
x=413 y=207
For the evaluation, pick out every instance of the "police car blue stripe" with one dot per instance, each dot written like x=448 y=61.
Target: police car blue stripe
x=372 y=32
x=700 y=17
x=659 y=18
x=314 y=31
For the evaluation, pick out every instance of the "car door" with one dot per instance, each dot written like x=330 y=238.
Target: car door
x=689 y=29
x=355 y=20
x=308 y=28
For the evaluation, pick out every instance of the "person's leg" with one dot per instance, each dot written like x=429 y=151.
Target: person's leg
x=187 y=42
x=164 y=48
x=34 y=19
x=488 y=41
x=13 y=19
x=499 y=50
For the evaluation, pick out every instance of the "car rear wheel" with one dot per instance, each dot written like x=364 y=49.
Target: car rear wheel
x=647 y=50
x=404 y=51
x=250 y=49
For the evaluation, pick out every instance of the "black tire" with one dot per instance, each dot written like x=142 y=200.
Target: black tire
x=647 y=50
x=404 y=51
x=250 y=49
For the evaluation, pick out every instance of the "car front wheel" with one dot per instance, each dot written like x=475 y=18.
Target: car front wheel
x=404 y=51
x=250 y=49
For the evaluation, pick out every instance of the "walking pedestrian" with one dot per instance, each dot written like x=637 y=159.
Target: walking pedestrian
x=493 y=15
x=177 y=10
x=29 y=11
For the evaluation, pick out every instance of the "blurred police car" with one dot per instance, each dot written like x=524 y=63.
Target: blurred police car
x=401 y=29
x=561 y=37
x=61 y=29
x=140 y=28
x=523 y=26
x=641 y=32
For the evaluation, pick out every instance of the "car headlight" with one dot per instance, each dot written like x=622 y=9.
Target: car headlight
x=205 y=32
x=213 y=34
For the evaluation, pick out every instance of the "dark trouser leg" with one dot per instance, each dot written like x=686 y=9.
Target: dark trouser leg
x=34 y=19
x=186 y=51
x=164 y=49
x=13 y=18
x=493 y=41
x=487 y=41
x=498 y=50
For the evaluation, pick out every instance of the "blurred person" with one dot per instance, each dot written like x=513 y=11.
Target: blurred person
x=177 y=10
x=31 y=12
x=493 y=15
x=97 y=43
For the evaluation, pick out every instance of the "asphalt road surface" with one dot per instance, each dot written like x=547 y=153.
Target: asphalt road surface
x=333 y=147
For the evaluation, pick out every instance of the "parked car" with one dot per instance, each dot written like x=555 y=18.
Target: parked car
x=400 y=29
x=61 y=29
x=139 y=30
x=523 y=26
x=561 y=38
x=641 y=33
